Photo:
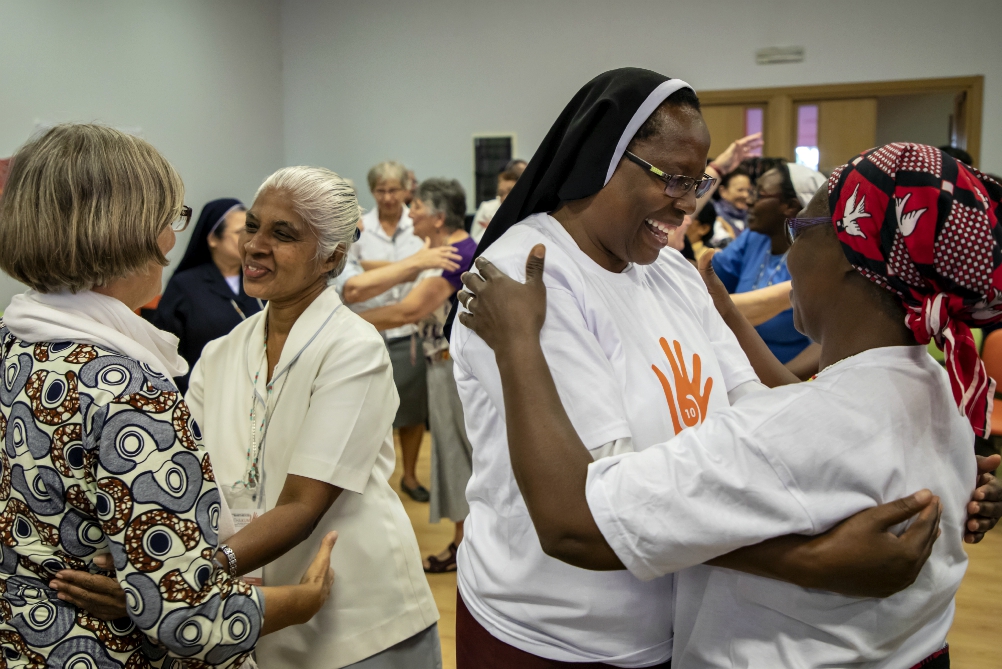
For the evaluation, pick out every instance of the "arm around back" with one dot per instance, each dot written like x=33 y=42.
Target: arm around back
x=428 y=295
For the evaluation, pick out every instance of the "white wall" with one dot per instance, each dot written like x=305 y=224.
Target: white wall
x=230 y=90
x=413 y=81
x=201 y=79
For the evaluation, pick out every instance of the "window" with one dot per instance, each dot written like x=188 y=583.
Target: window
x=754 y=120
x=490 y=155
x=806 y=152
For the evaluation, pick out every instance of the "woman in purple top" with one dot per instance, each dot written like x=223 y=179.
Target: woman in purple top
x=437 y=210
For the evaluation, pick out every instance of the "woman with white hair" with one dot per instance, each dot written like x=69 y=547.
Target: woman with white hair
x=298 y=403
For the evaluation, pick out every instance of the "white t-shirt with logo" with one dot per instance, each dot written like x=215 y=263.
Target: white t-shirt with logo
x=797 y=460
x=638 y=355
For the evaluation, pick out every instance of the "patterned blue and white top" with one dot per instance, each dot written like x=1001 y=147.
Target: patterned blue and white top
x=100 y=455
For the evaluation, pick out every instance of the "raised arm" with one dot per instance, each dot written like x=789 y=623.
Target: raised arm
x=768 y=367
x=728 y=161
x=376 y=281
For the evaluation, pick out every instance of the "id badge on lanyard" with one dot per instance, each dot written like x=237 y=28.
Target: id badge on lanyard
x=246 y=498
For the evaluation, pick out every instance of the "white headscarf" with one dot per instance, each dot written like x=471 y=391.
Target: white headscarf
x=805 y=181
x=93 y=318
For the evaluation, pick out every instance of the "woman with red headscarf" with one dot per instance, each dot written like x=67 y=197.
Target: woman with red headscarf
x=901 y=247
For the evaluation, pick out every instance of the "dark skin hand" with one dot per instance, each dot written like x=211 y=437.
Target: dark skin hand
x=301 y=505
x=985 y=507
x=858 y=557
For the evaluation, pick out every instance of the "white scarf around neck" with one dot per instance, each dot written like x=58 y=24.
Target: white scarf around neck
x=93 y=318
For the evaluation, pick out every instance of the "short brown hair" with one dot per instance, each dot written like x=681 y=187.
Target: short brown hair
x=509 y=175
x=83 y=205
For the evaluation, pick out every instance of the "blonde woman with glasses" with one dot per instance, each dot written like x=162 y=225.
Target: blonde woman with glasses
x=101 y=453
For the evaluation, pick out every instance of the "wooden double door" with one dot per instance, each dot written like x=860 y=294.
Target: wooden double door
x=831 y=124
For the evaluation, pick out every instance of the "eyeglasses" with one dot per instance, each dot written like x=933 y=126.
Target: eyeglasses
x=182 y=220
x=794 y=226
x=676 y=185
x=383 y=192
x=755 y=195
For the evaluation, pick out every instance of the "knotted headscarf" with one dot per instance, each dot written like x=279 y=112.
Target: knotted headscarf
x=926 y=227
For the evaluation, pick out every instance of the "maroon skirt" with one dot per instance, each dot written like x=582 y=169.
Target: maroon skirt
x=938 y=660
x=476 y=648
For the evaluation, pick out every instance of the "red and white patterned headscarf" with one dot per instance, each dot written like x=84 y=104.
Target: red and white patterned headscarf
x=926 y=227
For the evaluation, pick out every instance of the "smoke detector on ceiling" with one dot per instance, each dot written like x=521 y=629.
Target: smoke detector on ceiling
x=774 y=55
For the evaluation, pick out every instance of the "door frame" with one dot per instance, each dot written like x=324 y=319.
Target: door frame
x=780 y=104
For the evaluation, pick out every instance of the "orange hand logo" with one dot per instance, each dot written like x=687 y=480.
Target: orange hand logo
x=691 y=403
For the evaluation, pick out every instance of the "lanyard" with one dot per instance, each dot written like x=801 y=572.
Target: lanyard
x=772 y=274
x=240 y=312
x=254 y=474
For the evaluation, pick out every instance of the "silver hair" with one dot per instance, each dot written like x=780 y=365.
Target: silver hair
x=326 y=202
x=446 y=197
x=389 y=169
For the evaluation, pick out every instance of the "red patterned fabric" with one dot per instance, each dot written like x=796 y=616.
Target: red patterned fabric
x=926 y=227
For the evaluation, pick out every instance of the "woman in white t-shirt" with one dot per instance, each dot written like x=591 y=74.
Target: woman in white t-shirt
x=637 y=353
x=879 y=421
x=298 y=404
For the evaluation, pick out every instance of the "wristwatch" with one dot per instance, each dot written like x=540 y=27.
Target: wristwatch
x=231 y=559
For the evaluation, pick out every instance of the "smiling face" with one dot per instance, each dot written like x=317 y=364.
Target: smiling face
x=279 y=251
x=426 y=224
x=636 y=217
x=736 y=191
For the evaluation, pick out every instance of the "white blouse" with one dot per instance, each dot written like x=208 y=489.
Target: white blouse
x=330 y=419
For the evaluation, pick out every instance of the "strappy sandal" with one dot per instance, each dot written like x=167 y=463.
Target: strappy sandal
x=437 y=566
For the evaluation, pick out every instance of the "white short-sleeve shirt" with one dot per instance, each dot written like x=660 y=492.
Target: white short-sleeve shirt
x=332 y=421
x=640 y=355
x=797 y=460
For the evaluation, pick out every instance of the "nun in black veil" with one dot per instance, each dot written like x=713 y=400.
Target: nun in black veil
x=205 y=299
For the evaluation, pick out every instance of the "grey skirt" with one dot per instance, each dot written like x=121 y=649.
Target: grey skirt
x=451 y=452
x=409 y=377
x=421 y=651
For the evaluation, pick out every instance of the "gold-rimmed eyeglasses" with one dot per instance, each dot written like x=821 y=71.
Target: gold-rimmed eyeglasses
x=182 y=221
x=676 y=185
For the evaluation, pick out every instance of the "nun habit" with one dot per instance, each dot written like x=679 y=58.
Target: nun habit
x=580 y=153
x=198 y=304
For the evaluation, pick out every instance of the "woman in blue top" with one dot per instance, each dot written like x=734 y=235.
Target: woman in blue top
x=757 y=259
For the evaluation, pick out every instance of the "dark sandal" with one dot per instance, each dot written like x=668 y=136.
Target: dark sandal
x=436 y=566
x=418 y=494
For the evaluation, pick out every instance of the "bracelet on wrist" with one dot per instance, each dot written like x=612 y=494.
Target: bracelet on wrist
x=231 y=559
x=716 y=169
